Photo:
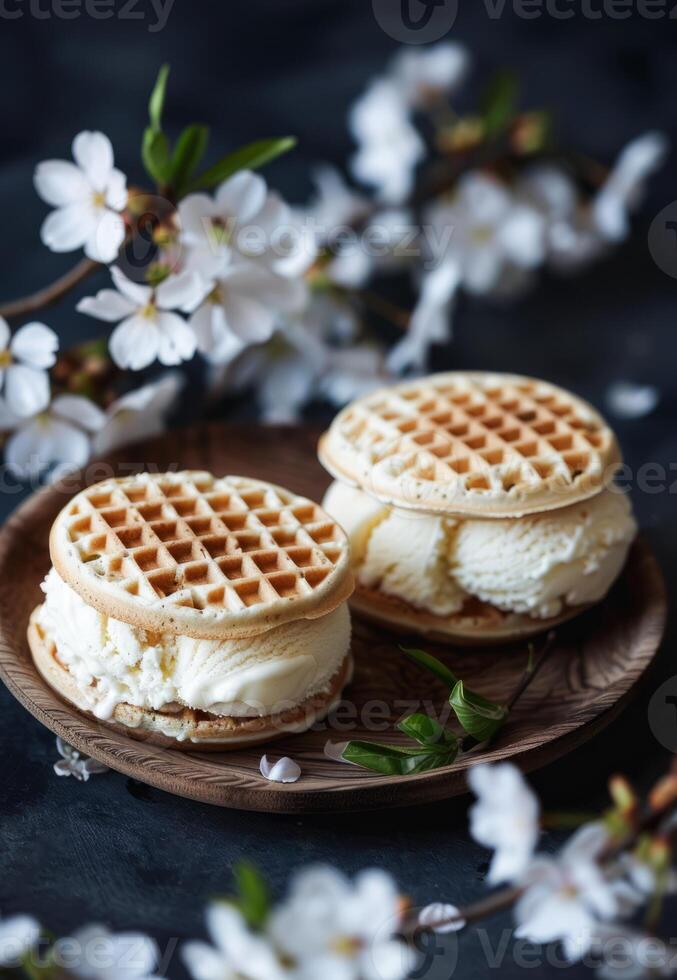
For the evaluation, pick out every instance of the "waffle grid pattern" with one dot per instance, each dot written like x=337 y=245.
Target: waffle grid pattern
x=483 y=438
x=204 y=543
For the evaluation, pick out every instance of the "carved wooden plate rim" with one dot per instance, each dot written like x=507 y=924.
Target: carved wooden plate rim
x=591 y=645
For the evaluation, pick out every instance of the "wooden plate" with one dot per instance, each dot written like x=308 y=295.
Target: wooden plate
x=599 y=658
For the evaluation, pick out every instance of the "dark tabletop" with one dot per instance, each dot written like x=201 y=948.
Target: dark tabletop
x=118 y=851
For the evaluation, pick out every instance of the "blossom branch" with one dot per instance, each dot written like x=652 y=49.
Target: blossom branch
x=50 y=294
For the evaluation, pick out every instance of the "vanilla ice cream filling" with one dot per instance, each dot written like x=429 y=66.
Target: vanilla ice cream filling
x=112 y=662
x=537 y=565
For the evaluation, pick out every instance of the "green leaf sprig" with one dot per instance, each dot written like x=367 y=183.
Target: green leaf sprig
x=174 y=170
x=252 y=897
x=480 y=719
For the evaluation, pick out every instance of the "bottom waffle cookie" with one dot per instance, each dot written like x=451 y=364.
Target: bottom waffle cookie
x=477 y=624
x=185 y=728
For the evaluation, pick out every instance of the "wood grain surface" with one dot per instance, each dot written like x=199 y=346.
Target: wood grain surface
x=598 y=660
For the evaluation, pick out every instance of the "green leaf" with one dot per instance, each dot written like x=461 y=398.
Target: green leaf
x=432 y=664
x=499 y=102
x=155 y=155
x=248 y=157
x=427 y=731
x=253 y=898
x=392 y=761
x=156 y=102
x=190 y=148
x=479 y=717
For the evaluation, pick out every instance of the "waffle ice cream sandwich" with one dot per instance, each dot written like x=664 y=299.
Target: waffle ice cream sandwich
x=194 y=611
x=480 y=507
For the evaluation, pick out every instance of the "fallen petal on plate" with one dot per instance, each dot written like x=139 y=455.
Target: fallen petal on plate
x=283 y=771
x=436 y=917
x=627 y=400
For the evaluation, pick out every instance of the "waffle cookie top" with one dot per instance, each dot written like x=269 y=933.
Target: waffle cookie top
x=472 y=444
x=196 y=555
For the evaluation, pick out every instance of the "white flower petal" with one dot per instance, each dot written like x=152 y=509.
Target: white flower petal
x=283 y=771
x=522 y=236
x=68 y=228
x=59 y=183
x=203 y=962
x=248 y=319
x=388 y=960
x=195 y=215
x=424 y=72
x=79 y=410
x=184 y=292
x=241 y=196
x=5 y=334
x=63 y=767
x=135 y=343
x=137 y=293
x=8 y=420
x=93 y=153
x=17 y=934
x=628 y=400
x=139 y=414
x=177 y=341
x=26 y=390
x=35 y=345
x=45 y=442
x=435 y=917
x=107 y=305
x=116 y=190
x=104 y=241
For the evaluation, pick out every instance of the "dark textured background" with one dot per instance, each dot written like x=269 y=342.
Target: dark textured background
x=132 y=856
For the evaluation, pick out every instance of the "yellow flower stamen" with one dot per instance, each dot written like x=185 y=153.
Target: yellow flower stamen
x=99 y=199
x=5 y=359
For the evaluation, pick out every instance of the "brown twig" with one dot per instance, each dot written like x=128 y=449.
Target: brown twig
x=530 y=674
x=652 y=819
x=50 y=294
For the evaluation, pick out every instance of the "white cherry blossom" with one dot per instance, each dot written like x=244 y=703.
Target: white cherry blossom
x=389 y=146
x=504 y=818
x=244 y=306
x=88 y=196
x=72 y=763
x=624 y=186
x=95 y=953
x=149 y=329
x=236 y=953
x=243 y=222
x=58 y=439
x=431 y=319
x=140 y=414
x=18 y=933
x=569 y=895
x=334 y=928
x=487 y=231
x=24 y=361
x=423 y=74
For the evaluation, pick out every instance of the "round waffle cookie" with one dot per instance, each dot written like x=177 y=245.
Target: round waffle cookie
x=195 y=555
x=472 y=444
